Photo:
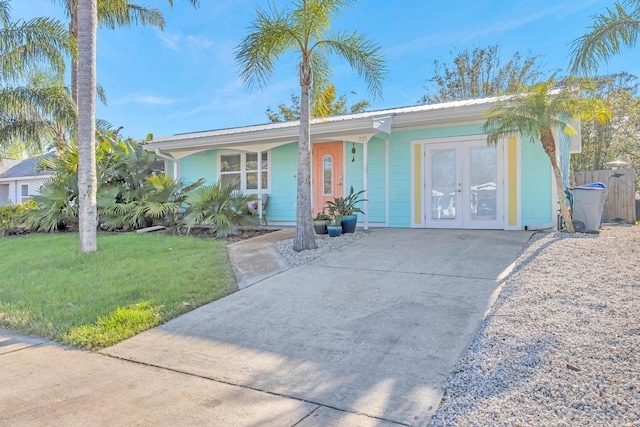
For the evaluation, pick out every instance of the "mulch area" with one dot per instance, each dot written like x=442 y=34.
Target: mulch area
x=206 y=233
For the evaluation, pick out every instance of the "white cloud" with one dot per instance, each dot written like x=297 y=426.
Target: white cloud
x=502 y=25
x=146 y=100
x=234 y=98
x=179 y=41
x=171 y=41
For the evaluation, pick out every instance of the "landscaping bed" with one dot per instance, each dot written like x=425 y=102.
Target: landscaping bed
x=560 y=346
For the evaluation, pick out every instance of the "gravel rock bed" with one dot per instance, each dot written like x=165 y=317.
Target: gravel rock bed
x=325 y=244
x=562 y=344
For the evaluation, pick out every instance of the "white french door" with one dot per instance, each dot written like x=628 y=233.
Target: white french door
x=463 y=182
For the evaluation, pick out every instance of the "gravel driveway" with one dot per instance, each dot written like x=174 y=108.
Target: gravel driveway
x=561 y=344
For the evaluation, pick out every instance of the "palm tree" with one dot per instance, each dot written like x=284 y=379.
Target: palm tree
x=87 y=21
x=27 y=111
x=611 y=30
x=304 y=28
x=537 y=113
x=86 y=101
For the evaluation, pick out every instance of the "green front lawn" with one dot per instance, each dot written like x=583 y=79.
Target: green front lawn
x=133 y=282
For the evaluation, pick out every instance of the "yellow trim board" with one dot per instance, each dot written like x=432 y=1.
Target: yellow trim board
x=512 y=170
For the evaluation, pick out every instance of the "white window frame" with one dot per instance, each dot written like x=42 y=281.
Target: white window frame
x=243 y=169
x=24 y=197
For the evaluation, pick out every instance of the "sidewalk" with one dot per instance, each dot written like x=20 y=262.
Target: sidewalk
x=46 y=384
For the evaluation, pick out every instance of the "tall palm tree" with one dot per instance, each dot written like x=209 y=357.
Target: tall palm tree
x=537 y=113
x=87 y=21
x=86 y=101
x=304 y=28
x=28 y=110
x=611 y=30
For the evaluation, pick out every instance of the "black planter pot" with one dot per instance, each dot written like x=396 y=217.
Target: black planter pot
x=349 y=223
x=320 y=227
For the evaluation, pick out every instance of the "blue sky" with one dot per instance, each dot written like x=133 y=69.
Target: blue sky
x=185 y=79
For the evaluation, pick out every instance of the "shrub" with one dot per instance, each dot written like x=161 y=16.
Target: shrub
x=220 y=206
x=12 y=217
x=57 y=207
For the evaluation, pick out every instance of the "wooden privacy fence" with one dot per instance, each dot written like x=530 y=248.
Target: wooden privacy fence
x=620 y=205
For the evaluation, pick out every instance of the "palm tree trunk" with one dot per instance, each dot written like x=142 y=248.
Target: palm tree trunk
x=549 y=145
x=73 y=31
x=304 y=238
x=87 y=180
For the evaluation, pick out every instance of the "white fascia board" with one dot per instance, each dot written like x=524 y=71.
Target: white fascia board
x=26 y=178
x=259 y=135
x=471 y=113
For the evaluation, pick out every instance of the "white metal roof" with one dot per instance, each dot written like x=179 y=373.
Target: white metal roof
x=326 y=128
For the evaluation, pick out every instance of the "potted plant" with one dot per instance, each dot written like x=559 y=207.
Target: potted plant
x=320 y=222
x=334 y=228
x=346 y=208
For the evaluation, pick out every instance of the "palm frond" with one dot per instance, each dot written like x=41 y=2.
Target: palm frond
x=610 y=31
x=363 y=55
x=31 y=113
x=24 y=46
x=194 y=3
x=121 y=13
x=271 y=34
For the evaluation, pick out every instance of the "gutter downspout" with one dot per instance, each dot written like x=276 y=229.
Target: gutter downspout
x=260 y=185
x=549 y=226
x=365 y=156
x=176 y=162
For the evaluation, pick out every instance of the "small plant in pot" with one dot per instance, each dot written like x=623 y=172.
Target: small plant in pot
x=320 y=222
x=335 y=227
x=346 y=208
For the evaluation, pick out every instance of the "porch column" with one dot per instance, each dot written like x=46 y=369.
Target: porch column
x=260 y=185
x=365 y=181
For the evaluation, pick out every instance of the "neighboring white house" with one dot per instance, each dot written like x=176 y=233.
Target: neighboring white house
x=21 y=181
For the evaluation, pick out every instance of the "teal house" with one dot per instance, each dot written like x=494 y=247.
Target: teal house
x=426 y=166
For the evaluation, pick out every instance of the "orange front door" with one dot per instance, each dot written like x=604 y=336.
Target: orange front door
x=327 y=173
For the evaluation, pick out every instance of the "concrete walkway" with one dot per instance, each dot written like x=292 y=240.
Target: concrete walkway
x=362 y=336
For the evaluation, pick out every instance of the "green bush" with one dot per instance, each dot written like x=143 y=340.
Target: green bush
x=220 y=206
x=12 y=217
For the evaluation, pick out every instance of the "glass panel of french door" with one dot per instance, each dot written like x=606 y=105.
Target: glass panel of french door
x=443 y=185
x=482 y=189
x=482 y=184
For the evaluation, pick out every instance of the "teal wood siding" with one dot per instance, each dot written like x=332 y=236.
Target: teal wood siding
x=535 y=188
x=400 y=167
x=168 y=164
x=284 y=167
x=200 y=165
x=377 y=180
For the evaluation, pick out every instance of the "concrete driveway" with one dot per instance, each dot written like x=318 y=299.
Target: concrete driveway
x=368 y=332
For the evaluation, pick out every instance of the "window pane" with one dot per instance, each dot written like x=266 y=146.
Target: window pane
x=265 y=180
x=252 y=161
x=443 y=187
x=24 y=190
x=252 y=180
x=328 y=175
x=228 y=178
x=483 y=182
x=265 y=160
x=230 y=163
